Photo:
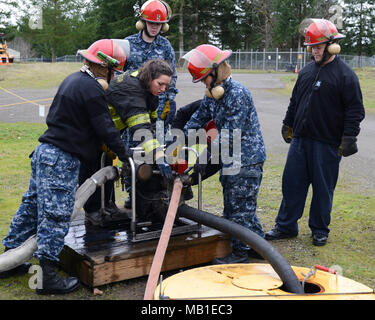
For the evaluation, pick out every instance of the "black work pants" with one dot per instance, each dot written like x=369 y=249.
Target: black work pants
x=309 y=162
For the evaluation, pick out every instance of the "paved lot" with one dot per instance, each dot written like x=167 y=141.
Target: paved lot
x=15 y=109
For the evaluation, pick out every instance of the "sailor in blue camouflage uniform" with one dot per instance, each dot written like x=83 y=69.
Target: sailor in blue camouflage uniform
x=231 y=107
x=53 y=181
x=147 y=45
x=78 y=124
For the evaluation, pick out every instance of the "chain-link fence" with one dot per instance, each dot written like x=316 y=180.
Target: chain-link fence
x=278 y=60
x=67 y=58
x=265 y=60
x=359 y=61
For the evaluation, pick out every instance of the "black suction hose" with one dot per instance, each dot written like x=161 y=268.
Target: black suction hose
x=256 y=242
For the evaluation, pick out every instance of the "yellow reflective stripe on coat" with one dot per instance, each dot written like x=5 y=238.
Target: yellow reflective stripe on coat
x=154 y=114
x=150 y=145
x=119 y=124
x=134 y=74
x=138 y=119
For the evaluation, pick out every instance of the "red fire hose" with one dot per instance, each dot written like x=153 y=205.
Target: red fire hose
x=157 y=262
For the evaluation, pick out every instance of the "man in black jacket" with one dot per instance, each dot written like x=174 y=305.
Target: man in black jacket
x=322 y=125
x=78 y=124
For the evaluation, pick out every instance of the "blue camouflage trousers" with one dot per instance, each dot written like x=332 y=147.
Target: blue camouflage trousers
x=240 y=194
x=48 y=203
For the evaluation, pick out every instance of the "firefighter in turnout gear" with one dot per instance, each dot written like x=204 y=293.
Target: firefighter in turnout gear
x=132 y=99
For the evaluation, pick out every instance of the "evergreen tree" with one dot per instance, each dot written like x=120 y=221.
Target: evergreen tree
x=116 y=18
x=359 y=24
x=236 y=24
x=6 y=6
x=196 y=19
x=251 y=30
x=288 y=15
x=62 y=27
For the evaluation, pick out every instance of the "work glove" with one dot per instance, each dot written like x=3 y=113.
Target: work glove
x=165 y=170
x=167 y=111
x=109 y=152
x=287 y=133
x=124 y=157
x=348 y=146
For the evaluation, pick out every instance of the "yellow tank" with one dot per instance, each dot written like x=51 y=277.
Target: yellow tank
x=258 y=281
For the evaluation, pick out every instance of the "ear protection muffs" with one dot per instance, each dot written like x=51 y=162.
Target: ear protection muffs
x=165 y=28
x=333 y=49
x=141 y=25
x=219 y=74
x=216 y=92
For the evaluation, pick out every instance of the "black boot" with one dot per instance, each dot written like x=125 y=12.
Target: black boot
x=95 y=218
x=237 y=256
x=112 y=213
x=128 y=203
x=53 y=283
x=17 y=271
x=276 y=234
x=319 y=240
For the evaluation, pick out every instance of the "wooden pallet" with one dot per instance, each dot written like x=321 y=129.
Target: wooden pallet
x=100 y=256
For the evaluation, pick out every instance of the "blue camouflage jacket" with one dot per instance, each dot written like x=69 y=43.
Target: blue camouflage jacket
x=235 y=110
x=142 y=51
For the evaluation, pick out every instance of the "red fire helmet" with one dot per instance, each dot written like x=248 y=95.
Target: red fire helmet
x=320 y=31
x=203 y=59
x=113 y=48
x=155 y=11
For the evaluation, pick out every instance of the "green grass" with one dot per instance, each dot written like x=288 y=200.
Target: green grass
x=36 y=75
x=17 y=141
x=366 y=78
